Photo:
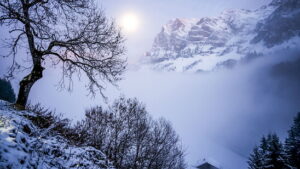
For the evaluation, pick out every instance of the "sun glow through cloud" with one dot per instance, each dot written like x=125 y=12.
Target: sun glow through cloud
x=129 y=22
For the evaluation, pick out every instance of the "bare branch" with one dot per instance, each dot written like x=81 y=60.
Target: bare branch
x=75 y=34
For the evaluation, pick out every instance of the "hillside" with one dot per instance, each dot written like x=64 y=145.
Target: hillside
x=25 y=145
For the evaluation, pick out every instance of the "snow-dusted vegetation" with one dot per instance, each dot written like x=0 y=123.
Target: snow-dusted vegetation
x=27 y=145
x=124 y=136
x=271 y=153
x=131 y=138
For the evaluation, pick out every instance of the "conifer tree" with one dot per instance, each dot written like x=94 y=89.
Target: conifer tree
x=292 y=144
x=263 y=151
x=269 y=155
x=255 y=159
x=274 y=156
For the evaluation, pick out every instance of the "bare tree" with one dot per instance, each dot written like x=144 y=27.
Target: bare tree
x=131 y=138
x=165 y=150
x=73 y=34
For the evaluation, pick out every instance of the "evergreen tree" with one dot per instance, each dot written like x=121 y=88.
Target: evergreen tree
x=292 y=144
x=6 y=91
x=269 y=155
x=255 y=159
x=264 y=144
x=274 y=156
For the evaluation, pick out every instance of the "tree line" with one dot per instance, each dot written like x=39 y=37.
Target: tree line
x=272 y=154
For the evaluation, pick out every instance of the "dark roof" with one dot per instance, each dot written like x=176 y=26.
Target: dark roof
x=207 y=165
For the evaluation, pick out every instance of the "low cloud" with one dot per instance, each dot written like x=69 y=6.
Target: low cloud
x=223 y=114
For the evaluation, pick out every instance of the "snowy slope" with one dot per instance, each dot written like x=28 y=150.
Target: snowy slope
x=24 y=145
x=206 y=44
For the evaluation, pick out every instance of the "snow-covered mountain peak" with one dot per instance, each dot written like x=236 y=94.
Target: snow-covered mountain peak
x=178 y=24
x=207 y=43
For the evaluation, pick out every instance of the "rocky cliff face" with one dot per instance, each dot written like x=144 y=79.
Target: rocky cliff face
x=281 y=25
x=207 y=43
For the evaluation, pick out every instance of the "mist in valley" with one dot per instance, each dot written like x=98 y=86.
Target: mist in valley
x=219 y=115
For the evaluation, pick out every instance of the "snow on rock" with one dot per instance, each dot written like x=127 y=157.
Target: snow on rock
x=24 y=145
x=206 y=44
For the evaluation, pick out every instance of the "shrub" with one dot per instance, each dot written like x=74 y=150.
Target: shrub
x=53 y=122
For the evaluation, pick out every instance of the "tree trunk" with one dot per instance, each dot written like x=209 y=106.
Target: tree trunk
x=37 y=71
x=27 y=83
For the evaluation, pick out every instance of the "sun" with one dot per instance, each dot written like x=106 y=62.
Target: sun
x=129 y=22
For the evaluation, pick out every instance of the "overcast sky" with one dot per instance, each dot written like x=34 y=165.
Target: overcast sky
x=219 y=115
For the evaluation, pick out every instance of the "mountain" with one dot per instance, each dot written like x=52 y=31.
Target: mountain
x=281 y=25
x=209 y=43
x=26 y=145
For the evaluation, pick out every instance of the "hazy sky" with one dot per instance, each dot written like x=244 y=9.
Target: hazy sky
x=219 y=115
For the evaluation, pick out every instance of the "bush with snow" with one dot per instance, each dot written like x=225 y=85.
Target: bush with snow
x=24 y=144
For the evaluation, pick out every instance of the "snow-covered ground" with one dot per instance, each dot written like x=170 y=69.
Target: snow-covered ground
x=24 y=145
